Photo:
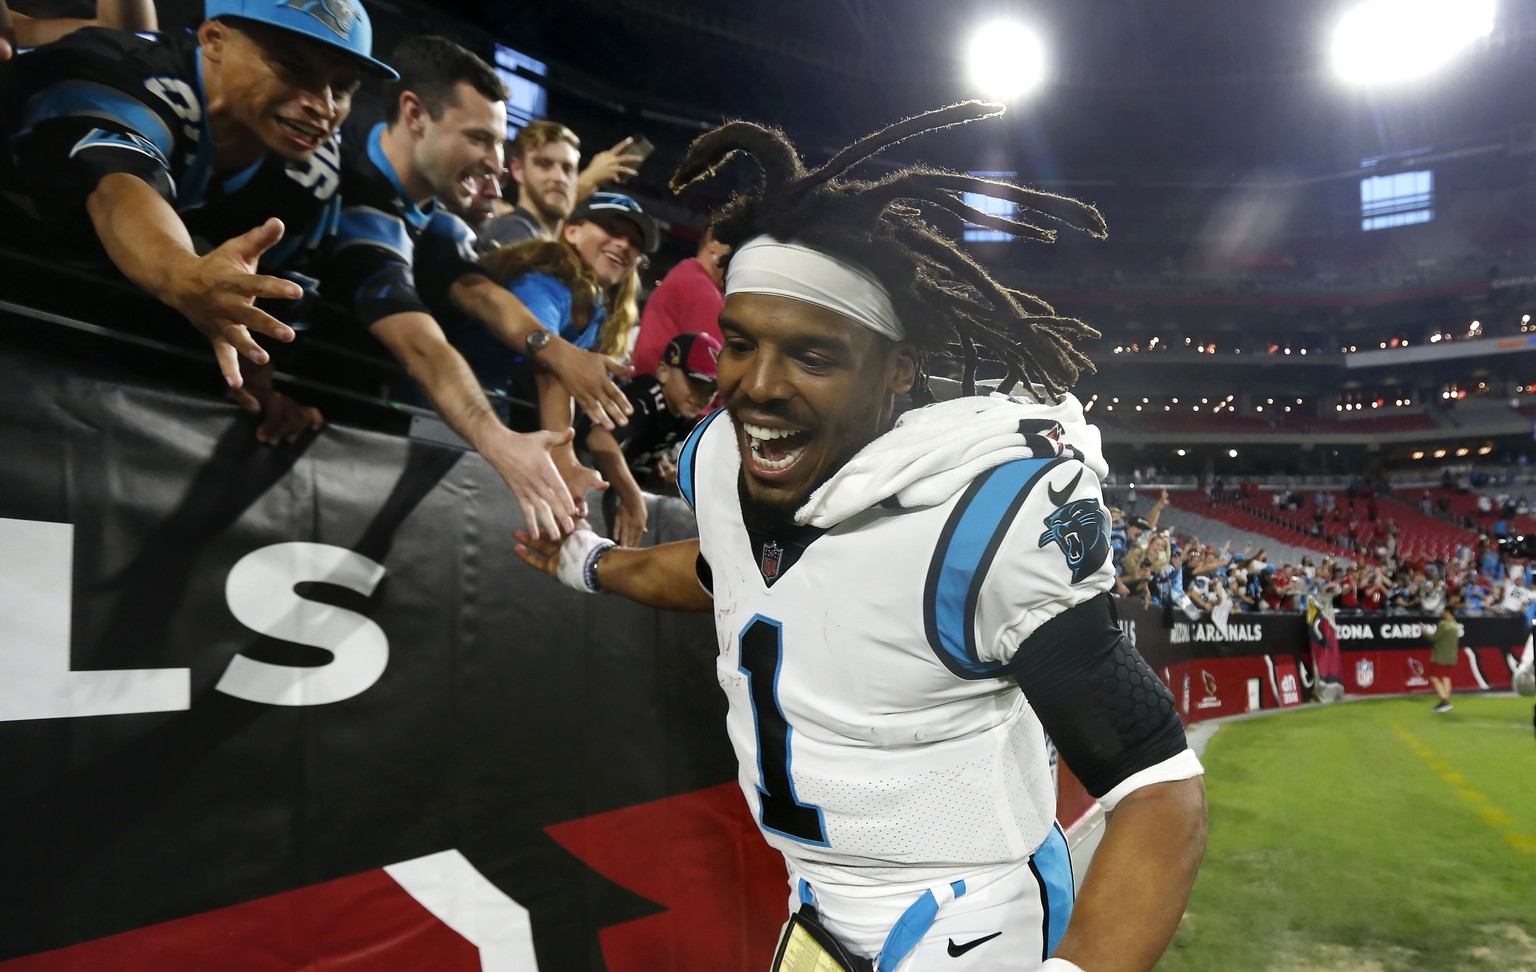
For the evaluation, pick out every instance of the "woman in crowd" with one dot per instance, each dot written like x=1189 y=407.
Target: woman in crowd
x=583 y=286
x=1158 y=552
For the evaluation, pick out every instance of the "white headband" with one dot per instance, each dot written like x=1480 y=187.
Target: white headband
x=763 y=265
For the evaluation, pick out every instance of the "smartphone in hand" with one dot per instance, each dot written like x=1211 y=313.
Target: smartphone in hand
x=641 y=146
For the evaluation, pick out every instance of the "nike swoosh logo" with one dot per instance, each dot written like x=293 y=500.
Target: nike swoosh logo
x=1059 y=497
x=955 y=951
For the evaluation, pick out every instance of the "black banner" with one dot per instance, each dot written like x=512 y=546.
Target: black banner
x=235 y=674
x=1166 y=642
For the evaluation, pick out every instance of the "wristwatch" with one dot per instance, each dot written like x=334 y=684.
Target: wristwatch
x=536 y=341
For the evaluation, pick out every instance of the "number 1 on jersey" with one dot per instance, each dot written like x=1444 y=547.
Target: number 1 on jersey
x=762 y=650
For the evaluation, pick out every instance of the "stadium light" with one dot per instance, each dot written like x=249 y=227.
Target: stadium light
x=1392 y=41
x=1006 y=60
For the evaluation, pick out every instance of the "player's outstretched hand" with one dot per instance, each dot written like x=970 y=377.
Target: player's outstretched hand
x=218 y=295
x=588 y=376
x=539 y=553
x=526 y=462
x=282 y=418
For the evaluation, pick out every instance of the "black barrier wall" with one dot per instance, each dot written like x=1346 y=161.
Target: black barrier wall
x=1169 y=640
x=229 y=671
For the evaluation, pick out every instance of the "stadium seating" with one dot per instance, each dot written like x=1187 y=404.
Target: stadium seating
x=1418 y=536
x=1256 y=516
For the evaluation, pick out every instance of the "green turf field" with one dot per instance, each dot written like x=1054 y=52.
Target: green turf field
x=1373 y=836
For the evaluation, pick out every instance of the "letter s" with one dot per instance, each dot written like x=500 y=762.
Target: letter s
x=260 y=593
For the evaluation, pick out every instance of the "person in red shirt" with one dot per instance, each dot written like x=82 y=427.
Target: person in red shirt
x=1349 y=589
x=687 y=301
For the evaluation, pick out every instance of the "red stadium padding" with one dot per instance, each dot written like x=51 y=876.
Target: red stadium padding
x=699 y=857
x=352 y=924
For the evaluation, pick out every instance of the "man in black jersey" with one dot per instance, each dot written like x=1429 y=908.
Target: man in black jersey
x=445 y=121
x=135 y=145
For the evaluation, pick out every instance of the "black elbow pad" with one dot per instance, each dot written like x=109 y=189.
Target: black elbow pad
x=1108 y=713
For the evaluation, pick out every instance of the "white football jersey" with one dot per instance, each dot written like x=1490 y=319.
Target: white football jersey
x=877 y=732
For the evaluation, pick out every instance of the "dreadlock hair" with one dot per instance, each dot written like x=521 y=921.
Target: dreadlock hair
x=560 y=260
x=949 y=304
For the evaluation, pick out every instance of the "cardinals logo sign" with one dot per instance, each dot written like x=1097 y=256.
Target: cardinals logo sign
x=1211 y=700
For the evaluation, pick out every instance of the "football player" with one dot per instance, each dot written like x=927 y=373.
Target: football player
x=907 y=606
x=136 y=145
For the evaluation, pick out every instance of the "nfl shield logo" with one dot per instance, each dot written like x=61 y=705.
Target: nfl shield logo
x=772 y=554
x=1365 y=673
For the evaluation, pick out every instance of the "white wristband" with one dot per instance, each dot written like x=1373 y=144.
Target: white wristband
x=1058 y=965
x=579 y=554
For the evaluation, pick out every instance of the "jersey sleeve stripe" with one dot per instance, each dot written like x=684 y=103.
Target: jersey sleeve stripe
x=127 y=141
x=365 y=226
x=686 y=477
x=88 y=99
x=965 y=550
x=455 y=229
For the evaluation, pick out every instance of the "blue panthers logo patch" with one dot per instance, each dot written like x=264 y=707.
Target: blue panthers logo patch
x=1080 y=530
x=339 y=15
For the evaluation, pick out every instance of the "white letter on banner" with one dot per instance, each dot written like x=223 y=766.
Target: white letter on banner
x=36 y=574
x=450 y=887
x=261 y=597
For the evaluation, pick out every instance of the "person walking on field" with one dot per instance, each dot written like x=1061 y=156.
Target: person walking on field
x=1445 y=640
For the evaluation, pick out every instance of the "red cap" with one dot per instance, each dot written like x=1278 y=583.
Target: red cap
x=695 y=354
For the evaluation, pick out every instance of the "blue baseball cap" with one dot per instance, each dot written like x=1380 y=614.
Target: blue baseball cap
x=601 y=204
x=340 y=24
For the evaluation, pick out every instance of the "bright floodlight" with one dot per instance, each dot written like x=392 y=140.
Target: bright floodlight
x=1006 y=59
x=1386 y=41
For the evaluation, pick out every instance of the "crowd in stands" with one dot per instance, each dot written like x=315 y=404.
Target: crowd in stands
x=1172 y=569
x=504 y=276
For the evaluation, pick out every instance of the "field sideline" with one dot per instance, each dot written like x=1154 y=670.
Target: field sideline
x=1374 y=836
